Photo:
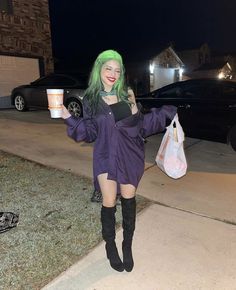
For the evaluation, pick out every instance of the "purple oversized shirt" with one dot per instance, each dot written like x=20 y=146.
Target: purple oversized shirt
x=119 y=146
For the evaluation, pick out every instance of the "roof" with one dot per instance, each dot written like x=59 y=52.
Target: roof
x=150 y=53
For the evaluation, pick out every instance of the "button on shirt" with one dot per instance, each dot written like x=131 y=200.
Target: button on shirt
x=119 y=147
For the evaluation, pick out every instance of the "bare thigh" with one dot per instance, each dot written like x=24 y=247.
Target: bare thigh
x=127 y=190
x=108 y=189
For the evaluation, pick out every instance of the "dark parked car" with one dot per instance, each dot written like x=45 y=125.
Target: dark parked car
x=34 y=95
x=206 y=107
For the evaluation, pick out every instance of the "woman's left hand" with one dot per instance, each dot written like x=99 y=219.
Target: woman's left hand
x=131 y=96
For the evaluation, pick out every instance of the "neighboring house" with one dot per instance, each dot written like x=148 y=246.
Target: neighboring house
x=193 y=57
x=220 y=70
x=25 y=44
x=227 y=57
x=200 y=62
x=164 y=68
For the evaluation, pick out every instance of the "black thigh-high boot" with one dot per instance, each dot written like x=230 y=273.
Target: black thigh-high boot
x=129 y=217
x=108 y=234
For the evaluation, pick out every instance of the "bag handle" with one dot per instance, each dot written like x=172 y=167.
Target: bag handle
x=178 y=133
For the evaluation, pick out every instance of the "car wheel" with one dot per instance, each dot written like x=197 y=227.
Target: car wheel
x=75 y=107
x=232 y=137
x=20 y=103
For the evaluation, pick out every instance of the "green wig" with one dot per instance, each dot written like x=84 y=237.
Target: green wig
x=95 y=85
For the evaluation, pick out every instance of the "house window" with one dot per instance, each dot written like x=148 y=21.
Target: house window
x=6 y=6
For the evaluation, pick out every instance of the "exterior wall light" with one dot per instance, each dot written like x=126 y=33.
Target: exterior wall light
x=221 y=75
x=151 y=68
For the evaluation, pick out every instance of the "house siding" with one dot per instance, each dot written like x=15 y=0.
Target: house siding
x=26 y=32
x=193 y=58
x=166 y=59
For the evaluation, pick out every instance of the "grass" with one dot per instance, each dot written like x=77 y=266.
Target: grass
x=58 y=223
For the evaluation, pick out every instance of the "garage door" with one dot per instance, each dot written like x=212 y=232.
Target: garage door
x=16 y=71
x=163 y=77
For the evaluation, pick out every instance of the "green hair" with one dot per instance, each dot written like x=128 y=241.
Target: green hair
x=95 y=85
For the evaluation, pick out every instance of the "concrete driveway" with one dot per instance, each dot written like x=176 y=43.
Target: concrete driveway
x=185 y=240
x=207 y=189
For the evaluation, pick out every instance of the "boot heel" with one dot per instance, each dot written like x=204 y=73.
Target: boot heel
x=113 y=257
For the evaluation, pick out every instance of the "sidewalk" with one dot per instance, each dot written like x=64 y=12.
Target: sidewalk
x=172 y=249
x=182 y=246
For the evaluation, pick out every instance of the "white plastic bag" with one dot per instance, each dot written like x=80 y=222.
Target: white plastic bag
x=170 y=156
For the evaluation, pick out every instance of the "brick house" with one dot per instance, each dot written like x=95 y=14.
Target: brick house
x=25 y=43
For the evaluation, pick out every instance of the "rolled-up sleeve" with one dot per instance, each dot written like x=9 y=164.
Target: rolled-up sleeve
x=155 y=121
x=82 y=129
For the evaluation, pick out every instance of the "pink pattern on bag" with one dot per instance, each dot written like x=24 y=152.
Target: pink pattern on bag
x=171 y=157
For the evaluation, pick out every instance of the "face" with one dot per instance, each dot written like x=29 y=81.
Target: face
x=110 y=73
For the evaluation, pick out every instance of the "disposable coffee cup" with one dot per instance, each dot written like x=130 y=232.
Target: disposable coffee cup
x=55 y=102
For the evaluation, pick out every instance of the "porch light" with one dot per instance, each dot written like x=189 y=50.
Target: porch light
x=151 y=68
x=181 y=70
x=221 y=75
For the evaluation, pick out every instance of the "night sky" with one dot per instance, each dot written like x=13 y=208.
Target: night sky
x=83 y=28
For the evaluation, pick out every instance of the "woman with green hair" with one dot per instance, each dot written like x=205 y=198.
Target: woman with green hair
x=113 y=120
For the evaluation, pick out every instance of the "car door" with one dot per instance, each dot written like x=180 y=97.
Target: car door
x=174 y=95
x=226 y=110
x=168 y=95
x=204 y=110
x=39 y=91
x=38 y=97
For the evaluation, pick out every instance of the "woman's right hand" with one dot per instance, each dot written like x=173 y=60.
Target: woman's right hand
x=65 y=113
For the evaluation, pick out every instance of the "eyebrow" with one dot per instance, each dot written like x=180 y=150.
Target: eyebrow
x=107 y=65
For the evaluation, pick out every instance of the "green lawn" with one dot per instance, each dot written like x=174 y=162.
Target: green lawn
x=58 y=223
